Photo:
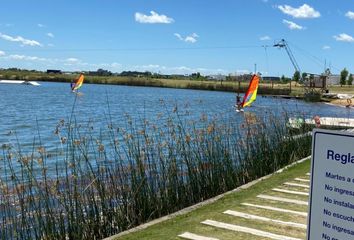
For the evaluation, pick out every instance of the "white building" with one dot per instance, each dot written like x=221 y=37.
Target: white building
x=333 y=80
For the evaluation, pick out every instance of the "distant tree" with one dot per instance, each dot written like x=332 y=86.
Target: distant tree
x=296 y=76
x=343 y=76
x=196 y=75
x=282 y=79
x=350 y=79
x=304 y=75
x=102 y=72
x=147 y=73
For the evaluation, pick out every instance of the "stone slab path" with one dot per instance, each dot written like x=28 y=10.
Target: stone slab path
x=279 y=213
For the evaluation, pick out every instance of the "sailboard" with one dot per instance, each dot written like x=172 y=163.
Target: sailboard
x=251 y=93
x=77 y=83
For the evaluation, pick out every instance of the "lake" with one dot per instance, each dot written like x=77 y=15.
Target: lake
x=32 y=111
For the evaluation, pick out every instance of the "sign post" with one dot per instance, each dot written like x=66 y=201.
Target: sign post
x=331 y=202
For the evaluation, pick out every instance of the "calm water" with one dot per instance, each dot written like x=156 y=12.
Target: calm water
x=29 y=110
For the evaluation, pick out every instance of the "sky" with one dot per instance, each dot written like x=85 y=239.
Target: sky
x=177 y=37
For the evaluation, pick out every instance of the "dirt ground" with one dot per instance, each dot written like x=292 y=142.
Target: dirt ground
x=343 y=102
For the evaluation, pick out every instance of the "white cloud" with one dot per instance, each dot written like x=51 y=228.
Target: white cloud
x=149 y=66
x=343 y=37
x=72 y=60
x=265 y=38
x=20 y=39
x=179 y=36
x=174 y=69
x=153 y=18
x=350 y=14
x=326 y=47
x=26 y=58
x=115 y=65
x=18 y=57
x=50 y=35
x=191 y=38
x=2 y=53
x=75 y=64
x=242 y=71
x=71 y=64
x=40 y=25
x=305 y=11
x=293 y=26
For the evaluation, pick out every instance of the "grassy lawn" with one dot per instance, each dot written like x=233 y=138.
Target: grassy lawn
x=343 y=89
x=191 y=222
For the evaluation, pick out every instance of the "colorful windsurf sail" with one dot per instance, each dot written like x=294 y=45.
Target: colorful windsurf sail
x=77 y=83
x=251 y=93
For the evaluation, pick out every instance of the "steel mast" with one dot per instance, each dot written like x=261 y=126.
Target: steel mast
x=284 y=44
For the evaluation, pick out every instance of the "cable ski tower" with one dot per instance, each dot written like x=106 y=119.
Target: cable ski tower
x=309 y=84
x=284 y=44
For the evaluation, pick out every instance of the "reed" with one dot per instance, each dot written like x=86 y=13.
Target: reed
x=101 y=182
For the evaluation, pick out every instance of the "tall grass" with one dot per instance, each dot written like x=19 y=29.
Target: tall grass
x=227 y=86
x=123 y=176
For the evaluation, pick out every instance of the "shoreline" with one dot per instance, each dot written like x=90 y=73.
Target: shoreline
x=266 y=89
x=342 y=103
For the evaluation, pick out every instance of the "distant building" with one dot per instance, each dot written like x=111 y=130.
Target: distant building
x=315 y=81
x=270 y=79
x=217 y=77
x=321 y=81
x=333 y=80
x=242 y=78
x=181 y=76
x=54 y=71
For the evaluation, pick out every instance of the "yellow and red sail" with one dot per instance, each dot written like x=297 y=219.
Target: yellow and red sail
x=251 y=93
x=78 y=83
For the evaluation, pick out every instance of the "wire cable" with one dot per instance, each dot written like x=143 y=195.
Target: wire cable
x=132 y=49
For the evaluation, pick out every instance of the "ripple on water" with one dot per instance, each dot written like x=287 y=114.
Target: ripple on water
x=35 y=111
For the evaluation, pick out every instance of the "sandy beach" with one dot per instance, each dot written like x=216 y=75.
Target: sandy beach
x=343 y=102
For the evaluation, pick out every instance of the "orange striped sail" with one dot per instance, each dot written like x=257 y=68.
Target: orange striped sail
x=251 y=93
x=78 y=83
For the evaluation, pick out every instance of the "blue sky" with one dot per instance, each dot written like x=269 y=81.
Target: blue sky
x=181 y=36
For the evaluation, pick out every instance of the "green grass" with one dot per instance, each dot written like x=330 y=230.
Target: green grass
x=349 y=89
x=190 y=222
